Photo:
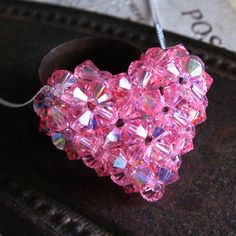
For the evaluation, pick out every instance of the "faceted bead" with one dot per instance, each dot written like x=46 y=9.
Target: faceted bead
x=58 y=140
x=177 y=52
x=153 y=193
x=121 y=91
x=180 y=56
x=92 y=161
x=187 y=114
x=85 y=119
x=148 y=102
x=143 y=175
x=42 y=101
x=167 y=175
x=164 y=147
x=57 y=77
x=172 y=95
x=112 y=138
x=194 y=66
x=121 y=85
x=164 y=175
x=57 y=117
x=206 y=80
x=200 y=85
x=143 y=76
x=184 y=143
x=167 y=170
x=107 y=113
x=156 y=57
x=86 y=143
x=136 y=151
x=118 y=166
x=120 y=162
x=86 y=71
x=133 y=126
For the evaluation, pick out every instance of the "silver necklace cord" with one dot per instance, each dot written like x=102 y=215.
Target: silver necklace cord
x=18 y=105
x=159 y=30
x=160 y=35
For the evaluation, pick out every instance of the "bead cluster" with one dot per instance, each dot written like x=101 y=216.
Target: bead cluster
x=132 y=126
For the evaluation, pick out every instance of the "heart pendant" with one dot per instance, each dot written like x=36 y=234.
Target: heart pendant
x=132 y=126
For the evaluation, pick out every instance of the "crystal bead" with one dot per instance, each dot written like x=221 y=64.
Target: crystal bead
x=133 y=126
x=58 y=140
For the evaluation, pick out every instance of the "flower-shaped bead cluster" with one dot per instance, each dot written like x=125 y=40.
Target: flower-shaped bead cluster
x=133 y=126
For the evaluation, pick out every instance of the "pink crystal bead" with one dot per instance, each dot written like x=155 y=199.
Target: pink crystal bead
x=132 y=126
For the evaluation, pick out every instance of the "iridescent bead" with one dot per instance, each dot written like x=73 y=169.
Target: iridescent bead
x=133 y=126
x=58 y=140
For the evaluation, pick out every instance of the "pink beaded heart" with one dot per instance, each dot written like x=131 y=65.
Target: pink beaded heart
x=132 y=126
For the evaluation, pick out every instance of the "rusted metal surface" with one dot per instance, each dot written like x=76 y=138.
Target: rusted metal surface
x=42 y=193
